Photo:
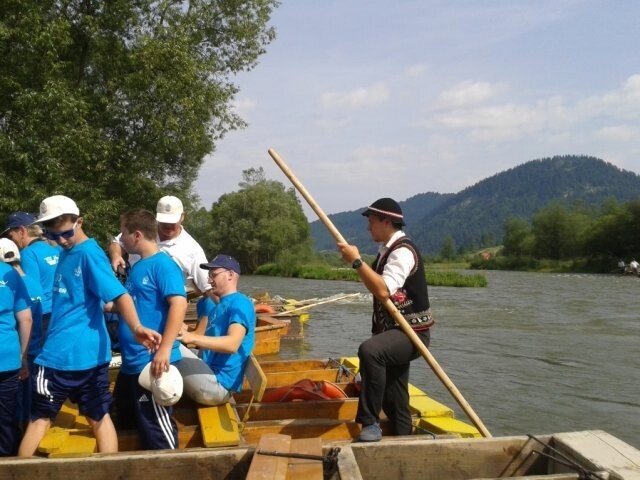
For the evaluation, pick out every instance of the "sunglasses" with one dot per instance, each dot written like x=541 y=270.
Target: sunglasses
x=67 y=234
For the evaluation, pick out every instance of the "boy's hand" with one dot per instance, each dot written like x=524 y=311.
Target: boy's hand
x=148 y=337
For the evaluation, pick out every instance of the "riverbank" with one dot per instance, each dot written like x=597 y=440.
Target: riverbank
x=435 y=277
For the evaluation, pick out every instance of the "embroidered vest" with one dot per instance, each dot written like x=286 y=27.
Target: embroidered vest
x=412 y=300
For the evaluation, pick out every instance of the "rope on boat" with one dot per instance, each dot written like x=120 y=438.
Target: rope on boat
x=583 y=473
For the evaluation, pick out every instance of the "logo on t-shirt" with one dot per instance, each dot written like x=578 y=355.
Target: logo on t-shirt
x=51 y=260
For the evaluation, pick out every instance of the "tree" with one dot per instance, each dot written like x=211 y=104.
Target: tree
x=559 y=233
x=259 y=221
x=115 y=103
x=518 y=240
x=448 y=250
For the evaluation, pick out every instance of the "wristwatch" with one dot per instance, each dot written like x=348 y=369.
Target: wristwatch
x=357 y=263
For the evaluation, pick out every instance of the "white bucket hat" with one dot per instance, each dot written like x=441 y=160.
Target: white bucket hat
x=169 y=210
x=52 y=207
x=166 y=389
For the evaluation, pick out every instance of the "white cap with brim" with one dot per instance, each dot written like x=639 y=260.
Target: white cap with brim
x=166 y=389
x=8 y=251
x=52 y=207
x=169 y=210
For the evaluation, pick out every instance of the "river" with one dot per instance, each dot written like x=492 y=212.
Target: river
x=531 y=353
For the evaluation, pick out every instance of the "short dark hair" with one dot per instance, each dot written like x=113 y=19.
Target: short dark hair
x=142 y=220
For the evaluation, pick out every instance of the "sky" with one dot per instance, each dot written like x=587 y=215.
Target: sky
x=369 y=99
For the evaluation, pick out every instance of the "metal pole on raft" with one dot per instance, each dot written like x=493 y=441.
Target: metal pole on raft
x=388 y=304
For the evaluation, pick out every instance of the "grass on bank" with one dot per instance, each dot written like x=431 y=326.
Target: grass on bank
x=436 y=278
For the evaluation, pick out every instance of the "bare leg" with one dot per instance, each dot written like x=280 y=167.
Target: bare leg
x=32 y=436
x=105 y=434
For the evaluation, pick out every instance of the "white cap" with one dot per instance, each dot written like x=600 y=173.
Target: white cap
x=166 y=389
x=52 y=207
x=8 y=251
x=169 y=210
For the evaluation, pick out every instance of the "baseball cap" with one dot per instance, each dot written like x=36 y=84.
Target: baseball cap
x=169 y=210
x=222 y=261
x=18 y=219
x=166 y=389
x=55 y=206
x=386 y=208
x=8 y=251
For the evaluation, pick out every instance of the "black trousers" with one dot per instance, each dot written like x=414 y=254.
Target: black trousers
x=384 y=368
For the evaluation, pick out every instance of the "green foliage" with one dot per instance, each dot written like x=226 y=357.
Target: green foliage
x=326 y=272
x=439 y=278
x=575 y=239
x=116 y=103
x=259 y=223
x=518 y=238
x=448 y=249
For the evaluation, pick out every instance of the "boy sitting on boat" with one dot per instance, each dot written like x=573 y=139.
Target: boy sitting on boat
x=227 y=342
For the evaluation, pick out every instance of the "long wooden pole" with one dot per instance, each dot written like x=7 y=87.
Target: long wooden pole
x=388 y=304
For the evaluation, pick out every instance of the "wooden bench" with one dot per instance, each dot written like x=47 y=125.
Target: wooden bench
x=265 y=466
x=219 y=424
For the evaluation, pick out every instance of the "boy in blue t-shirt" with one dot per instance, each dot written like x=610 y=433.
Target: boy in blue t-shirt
x=75 y=357
x=10 y=254
x=14 y=309
x=228 y=340
x=156 y=285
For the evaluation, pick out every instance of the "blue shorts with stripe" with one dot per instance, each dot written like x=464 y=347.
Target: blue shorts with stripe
x=88 y=388
x=9 y=429
x=135 y=408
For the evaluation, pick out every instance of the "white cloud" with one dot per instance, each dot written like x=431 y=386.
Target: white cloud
x=468 y=93
x=618 y=133
x=550 y=117
x=375 y=94
x=416 y=71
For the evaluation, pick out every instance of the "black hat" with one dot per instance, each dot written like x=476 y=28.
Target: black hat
x=386 y=208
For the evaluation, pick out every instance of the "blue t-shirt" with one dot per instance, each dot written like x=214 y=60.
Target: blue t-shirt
x=39 y=260
x=205 y=306
x=13 y=299
x=151 y=280
x=37 y=334
x=77 y=337
x=229 y=368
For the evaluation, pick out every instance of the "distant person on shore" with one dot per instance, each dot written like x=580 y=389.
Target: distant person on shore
x=176 y=242
x=156 y=285
x=621 y=266
x=634 y=266
x=227 y=342
x=74 y=360
x=15 y=326
x=397 y=274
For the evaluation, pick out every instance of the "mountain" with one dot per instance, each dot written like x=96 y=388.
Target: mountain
x=475 y=216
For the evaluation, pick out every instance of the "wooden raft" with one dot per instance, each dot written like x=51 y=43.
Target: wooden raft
x=269 y=467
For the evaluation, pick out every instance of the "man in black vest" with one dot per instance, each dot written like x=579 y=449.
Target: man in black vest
x=397 y=273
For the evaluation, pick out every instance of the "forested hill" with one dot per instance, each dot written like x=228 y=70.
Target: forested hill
x=475 y=216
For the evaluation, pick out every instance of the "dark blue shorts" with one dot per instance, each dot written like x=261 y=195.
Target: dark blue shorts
x=9 y=430
x=88 y=388
x=135 y=408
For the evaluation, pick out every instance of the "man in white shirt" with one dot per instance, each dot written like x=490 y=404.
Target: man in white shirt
x=176 y=242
